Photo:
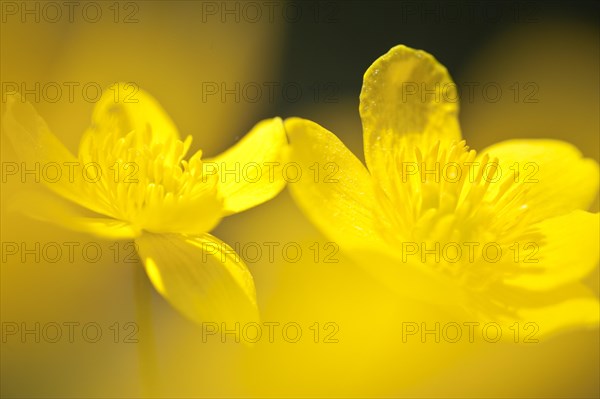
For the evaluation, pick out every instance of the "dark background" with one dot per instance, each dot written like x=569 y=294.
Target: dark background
x=354 y=33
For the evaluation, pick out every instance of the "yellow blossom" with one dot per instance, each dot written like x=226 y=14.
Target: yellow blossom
x=130 y=181
x=501 y=235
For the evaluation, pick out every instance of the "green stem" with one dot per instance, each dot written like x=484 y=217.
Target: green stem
x=146 y=348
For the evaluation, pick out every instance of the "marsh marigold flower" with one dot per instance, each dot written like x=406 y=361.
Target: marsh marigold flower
x=130 y=181
x=500 y=235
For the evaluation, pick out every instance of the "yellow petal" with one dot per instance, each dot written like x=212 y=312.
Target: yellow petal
x=412 y=281
x=250 y=172
x=566 y=308
x=335 y=189
x=125 y=108
x=556 y=176
x=537 y=325
x=37 y=147
x=201 y=276
x=29 y=134
x=406 y=95
x=47 y=207
x=570 y=314
x=568 y=251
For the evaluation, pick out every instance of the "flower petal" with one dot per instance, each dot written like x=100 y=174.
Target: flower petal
x=47 y=207
x=35 y=145
x=412 y=281
x=572 y=313
x=406 y=95
x=569 y=307
x=29 y=134
x=124 y=107
x=250 y=171
x=201 y=276
x=557 y=177
x=568 y=252
x=335 y=190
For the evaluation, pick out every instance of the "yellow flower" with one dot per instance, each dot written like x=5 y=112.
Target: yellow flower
x=502 y=235
x=130 y=181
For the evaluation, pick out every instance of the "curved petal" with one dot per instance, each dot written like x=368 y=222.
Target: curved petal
x=47 y=207
x=35 y=145
x=412 y=281
x=250 y=172
x=29 y=134
x=543 y=314
x=335 y=189
x=407 y=95
x=125 y=108
x=568 y=252
x=201 y=276
x=534 y=325
x=574 y=313
x=556 y=176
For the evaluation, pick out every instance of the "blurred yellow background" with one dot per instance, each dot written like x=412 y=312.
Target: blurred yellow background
x=172 y=51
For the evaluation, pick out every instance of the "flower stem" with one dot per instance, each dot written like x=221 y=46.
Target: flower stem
x=146 y=348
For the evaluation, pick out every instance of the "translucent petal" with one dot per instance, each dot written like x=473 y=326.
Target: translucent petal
x=407 y=97
x=251 y=171
x=201 y=276
x=335 y=189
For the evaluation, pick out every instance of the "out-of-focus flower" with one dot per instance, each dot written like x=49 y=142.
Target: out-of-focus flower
x=130 y=181
x=502 y=235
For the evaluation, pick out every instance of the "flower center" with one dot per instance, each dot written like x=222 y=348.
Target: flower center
x=449 y=207
x=142 y=179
